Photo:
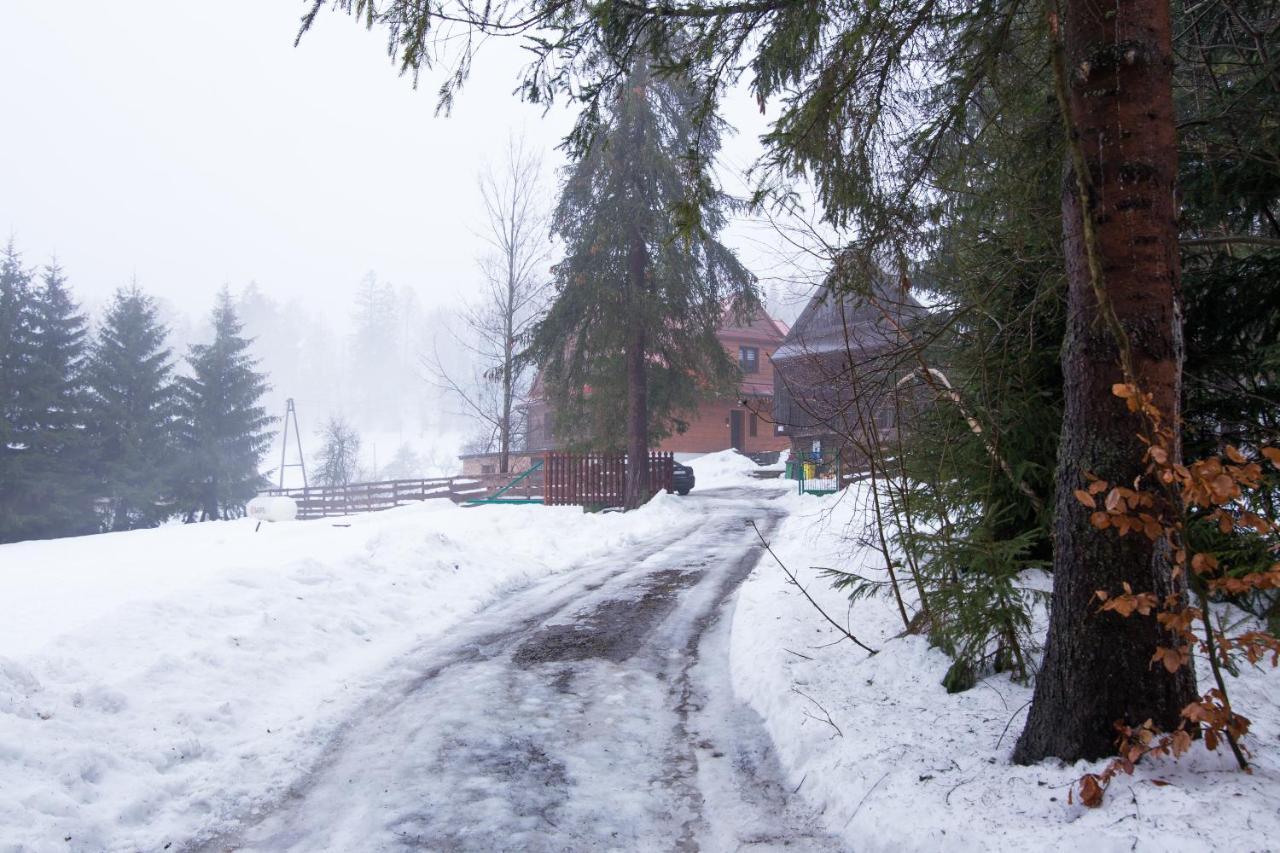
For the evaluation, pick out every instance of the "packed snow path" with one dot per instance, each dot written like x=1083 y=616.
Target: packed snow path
x=590 y=712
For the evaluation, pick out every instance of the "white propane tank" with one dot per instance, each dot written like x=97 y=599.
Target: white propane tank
x=273 y=508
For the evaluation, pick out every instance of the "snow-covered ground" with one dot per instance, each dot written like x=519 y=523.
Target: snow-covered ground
x=590 y=712
x=895 y=763
x=155 y=683
x=163 y=685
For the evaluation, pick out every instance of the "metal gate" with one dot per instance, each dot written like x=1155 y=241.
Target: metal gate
x=818 y=474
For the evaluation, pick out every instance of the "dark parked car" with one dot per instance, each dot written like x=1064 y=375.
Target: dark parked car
x=681 y=478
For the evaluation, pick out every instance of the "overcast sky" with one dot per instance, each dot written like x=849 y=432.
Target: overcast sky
x=190 y=144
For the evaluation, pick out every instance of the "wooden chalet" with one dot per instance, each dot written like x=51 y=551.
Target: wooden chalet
x=744 y=422
x=837 y=372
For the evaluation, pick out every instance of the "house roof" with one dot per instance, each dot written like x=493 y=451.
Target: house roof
x=843 y=346
x=758 y=327
x=841 y=315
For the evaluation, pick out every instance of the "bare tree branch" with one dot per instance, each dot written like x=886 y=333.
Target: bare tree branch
x=515 y=287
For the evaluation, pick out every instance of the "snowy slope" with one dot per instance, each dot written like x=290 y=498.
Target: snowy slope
x=902 y=765
x=154 y=683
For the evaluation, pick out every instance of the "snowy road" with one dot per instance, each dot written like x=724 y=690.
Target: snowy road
x=589 y=712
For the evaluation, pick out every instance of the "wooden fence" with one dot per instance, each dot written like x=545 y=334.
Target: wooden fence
x=566 y=479
x=598 y=479
x=328 y=501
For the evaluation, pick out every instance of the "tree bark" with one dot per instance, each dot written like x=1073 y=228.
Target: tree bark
x=120 y=517
x=211 y=501
x=637 y=379
x=1096 y=670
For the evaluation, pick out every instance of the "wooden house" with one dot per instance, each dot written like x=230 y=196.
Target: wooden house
x=744 y=421
x=838 y=372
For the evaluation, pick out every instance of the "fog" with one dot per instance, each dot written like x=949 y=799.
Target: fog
x=190 y=146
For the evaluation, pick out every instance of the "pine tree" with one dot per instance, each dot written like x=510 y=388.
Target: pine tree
x=61 y=487
x=223 y=425
x=131 y=411
x=16 y=326
x=405 y=464
x=630 y=338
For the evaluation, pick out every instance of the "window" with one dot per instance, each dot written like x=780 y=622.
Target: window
x=754 y=425
x=488 y=469
x=749 y=359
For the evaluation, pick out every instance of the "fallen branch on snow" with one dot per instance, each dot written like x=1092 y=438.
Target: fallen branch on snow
x=792 y=578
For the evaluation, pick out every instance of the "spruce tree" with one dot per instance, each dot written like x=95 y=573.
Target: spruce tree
x=223 y=425
x=60 y=486
x=131 y=411
x=630 y=339
x=16 y=322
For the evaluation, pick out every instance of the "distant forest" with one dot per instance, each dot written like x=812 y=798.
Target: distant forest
x=132 y=415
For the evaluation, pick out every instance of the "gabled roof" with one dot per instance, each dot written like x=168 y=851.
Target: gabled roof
x=839 y=316
x=759 y=326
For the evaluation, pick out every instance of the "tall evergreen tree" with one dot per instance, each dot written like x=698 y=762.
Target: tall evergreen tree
x=61 y=488
x=16 y=325
x=223 y=425
x=131 y=411
x=630 y=338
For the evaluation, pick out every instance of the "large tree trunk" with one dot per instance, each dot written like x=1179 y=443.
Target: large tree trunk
x=120 y=517
x=637 y=380
x=211 y=501
x=1097 y=665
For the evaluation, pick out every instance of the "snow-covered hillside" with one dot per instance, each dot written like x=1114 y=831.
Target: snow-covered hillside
x=154 y=683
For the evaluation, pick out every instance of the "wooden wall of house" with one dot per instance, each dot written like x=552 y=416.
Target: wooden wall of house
x=710 y=431
x=540 y=426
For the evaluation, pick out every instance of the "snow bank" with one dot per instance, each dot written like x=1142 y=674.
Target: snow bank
x=722 y=469
x=900 y=764
x=155 y=684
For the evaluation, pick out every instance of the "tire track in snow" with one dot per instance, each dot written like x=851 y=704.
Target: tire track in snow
x=595 y=712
